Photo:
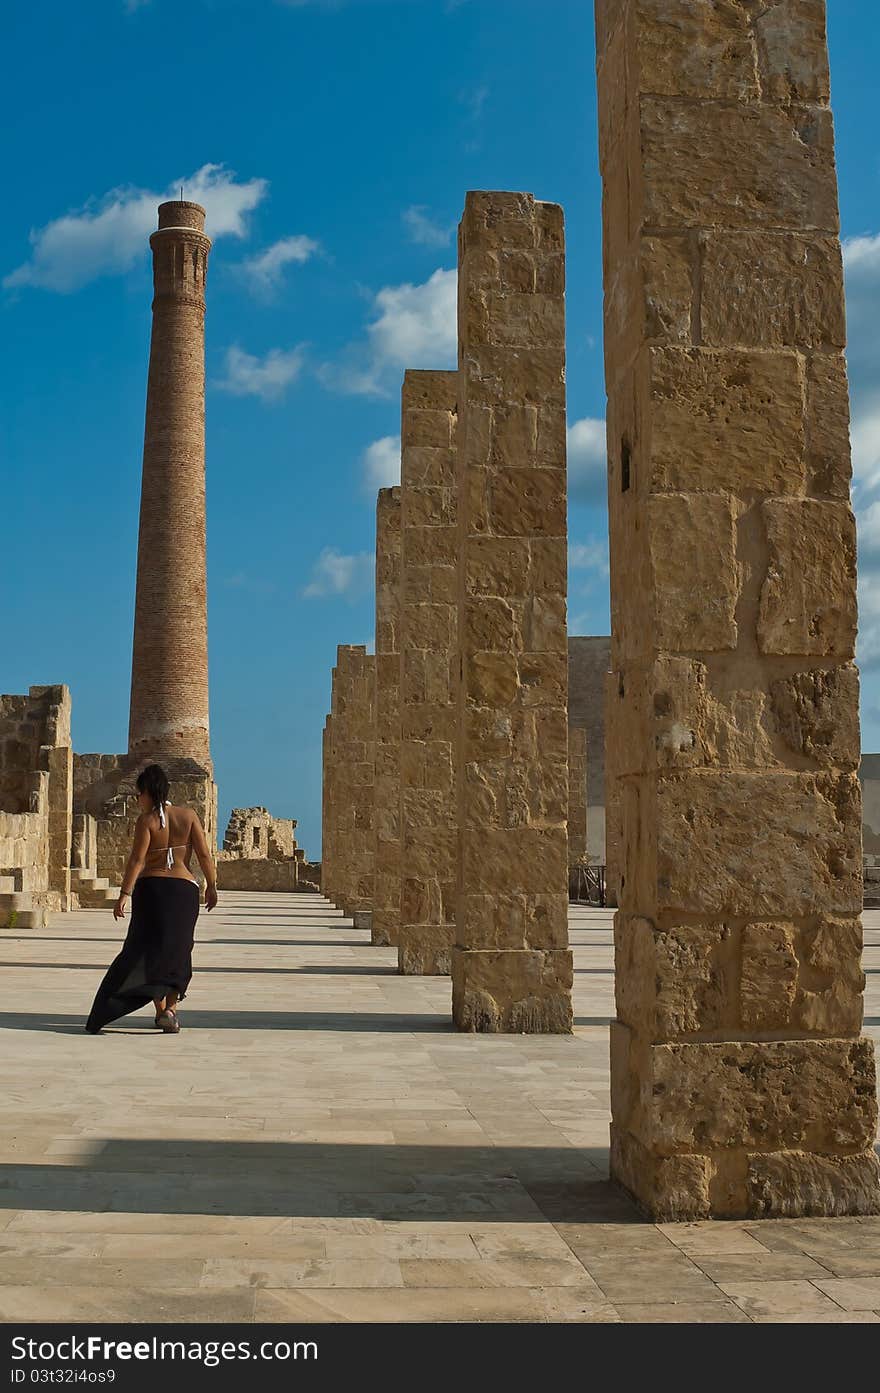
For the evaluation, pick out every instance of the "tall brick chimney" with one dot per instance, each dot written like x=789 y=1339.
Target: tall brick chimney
x=169 y=677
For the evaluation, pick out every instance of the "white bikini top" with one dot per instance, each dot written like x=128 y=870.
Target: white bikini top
x=169 y=851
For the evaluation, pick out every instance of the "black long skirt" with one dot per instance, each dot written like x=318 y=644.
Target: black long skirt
x=156 y=956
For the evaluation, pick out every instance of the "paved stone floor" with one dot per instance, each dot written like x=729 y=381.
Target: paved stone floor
x=319 y=1144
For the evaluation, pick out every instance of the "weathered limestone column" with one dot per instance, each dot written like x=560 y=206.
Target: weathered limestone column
x=357 y=782
x=577 y=795
x=385 y=925
x=429 y=672
x=169 y=678
x=740 y=1083
x=341 y=802
x=511 y=967
x=326 y=779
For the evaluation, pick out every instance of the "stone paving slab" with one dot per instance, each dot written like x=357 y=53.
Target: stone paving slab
x=318 y=1144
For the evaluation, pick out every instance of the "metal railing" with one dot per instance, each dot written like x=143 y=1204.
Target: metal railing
x=586 y=885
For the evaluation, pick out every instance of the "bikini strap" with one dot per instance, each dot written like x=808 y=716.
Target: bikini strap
x=169 y=853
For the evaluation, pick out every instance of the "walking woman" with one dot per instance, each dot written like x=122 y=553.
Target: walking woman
x=156 y=959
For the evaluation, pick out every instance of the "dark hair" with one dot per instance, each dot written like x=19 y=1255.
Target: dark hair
x=154 y=781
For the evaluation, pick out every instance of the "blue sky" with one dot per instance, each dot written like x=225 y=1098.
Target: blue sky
x=332 y=144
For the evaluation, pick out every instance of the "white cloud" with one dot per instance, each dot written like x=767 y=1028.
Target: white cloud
x=862 y=252
x=866 y=446
x=268 y=377
x=413 y=326
x=382 y=463
x=868 y=642
x=869 y=530
x=424 y=230
x=589 y=556
x=109 y=234
x=335 y=573
x=861 y=259
x=265 y=269
x=587 y=460
x=416 y=324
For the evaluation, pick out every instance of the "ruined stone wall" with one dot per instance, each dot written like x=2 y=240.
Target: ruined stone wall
x=428 y=672
x=740 y=1083
x=589 y=661
x=254 y=833
x=257 y=873
x=385 y=925
x=35 y=800
x=259 y=852
x=511 y=968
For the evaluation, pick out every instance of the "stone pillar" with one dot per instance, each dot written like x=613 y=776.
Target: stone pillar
x=341 y=803
x=326 y=850
x=385 y=925
x=357 y=782
x=511 y=967
x=577 y=795
x=169 y=678
x=429 y=672
x=740 y=1083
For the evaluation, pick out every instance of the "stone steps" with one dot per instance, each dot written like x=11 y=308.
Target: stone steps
x=94 y=891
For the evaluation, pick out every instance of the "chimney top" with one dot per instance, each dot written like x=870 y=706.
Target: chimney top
x=182 y=213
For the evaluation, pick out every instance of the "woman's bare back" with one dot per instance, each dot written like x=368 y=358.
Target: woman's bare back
x=181 y=833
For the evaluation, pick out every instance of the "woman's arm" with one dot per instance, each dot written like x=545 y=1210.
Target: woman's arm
x=134 y=865
x=203 y=852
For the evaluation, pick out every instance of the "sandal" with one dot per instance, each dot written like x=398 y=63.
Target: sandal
x=167 y=1022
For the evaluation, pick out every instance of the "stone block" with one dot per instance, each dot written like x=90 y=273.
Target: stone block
x=696 y=585
x=772 y=290
x=675 y=981
x=807 y=858
x=741 y=165
x=768 y=975
x=779 y=1095
x=651 y=296
x=425 y=950
x=670 y=1189
x=722 y=420
x=816 y=714
x=512 y=991
x=700 y=50
x=808 y=596
x=798 y=1183
x=828 y=456
x=792 y=51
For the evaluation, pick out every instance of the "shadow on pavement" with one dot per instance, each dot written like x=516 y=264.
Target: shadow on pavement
x=479 y=1184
